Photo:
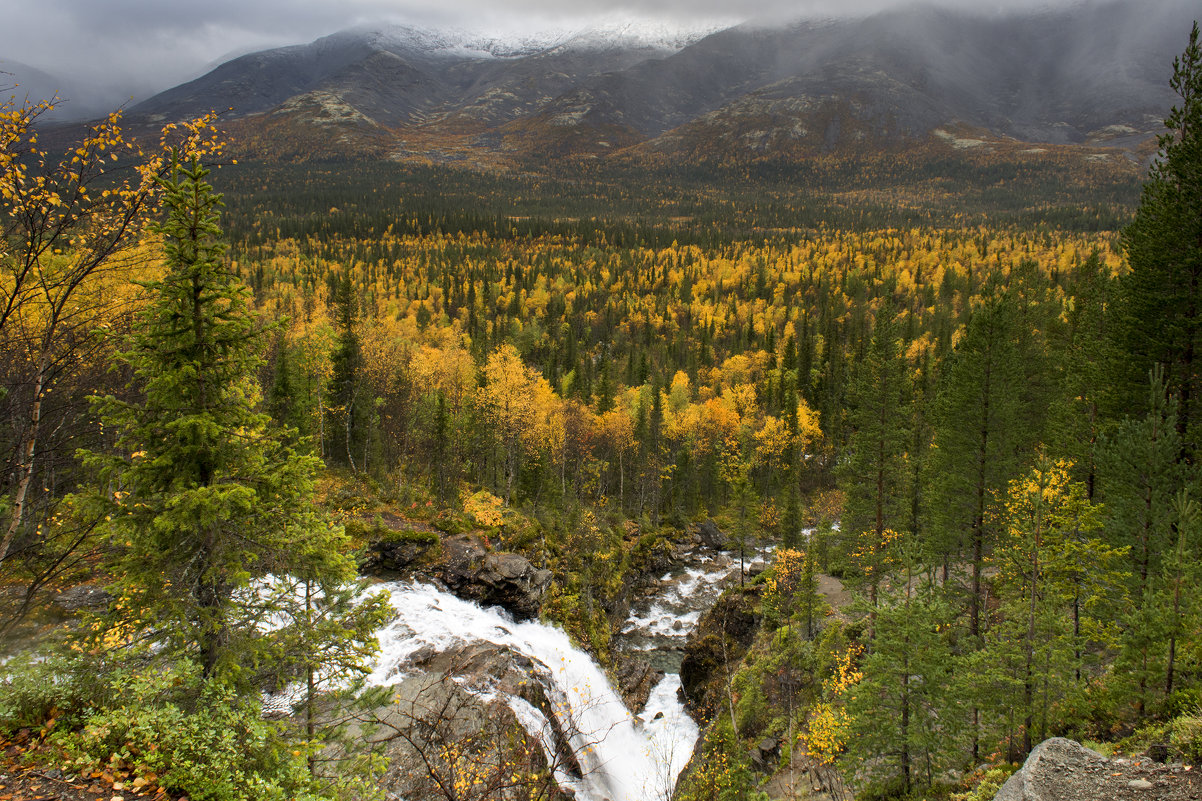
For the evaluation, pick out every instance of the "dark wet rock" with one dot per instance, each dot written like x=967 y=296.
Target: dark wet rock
x=508 y=580
x=400 y=551
x=712 y=536
x=715 y=647
x=765 y=754
x=652 y=557
x=84 y=597
x=636 y=678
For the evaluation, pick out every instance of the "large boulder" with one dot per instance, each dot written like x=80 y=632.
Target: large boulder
x=491 y=673
x=84 y=597
x=1064 y=770
x=436 y=729
x=507 y=580
x=1050 y=764
x=400 y=551
x=712 y=536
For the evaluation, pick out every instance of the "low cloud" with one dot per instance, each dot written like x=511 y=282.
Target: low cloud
x=118 y=49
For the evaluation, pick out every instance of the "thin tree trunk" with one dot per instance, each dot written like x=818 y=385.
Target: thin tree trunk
x=1029 y=647
x=28 y=452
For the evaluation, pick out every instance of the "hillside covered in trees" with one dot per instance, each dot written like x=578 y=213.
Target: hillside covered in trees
x=966 y=391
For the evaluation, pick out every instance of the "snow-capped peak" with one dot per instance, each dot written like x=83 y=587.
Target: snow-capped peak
x=602 y=33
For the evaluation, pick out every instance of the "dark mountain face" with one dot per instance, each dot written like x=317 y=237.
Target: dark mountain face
x=1093 y=74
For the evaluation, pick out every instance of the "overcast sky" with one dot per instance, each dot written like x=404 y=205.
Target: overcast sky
x=139 y=46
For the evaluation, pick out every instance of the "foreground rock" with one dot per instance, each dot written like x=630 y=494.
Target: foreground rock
x=1064 y=770
x=439 y=731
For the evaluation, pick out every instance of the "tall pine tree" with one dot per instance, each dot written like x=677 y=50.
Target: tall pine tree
x=981 y=427
x=874 y=474
x=205 y=502
x=1160 y=300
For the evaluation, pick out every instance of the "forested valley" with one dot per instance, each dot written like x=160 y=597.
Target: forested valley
x=967 y=399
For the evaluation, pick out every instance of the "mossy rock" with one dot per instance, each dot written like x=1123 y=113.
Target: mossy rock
x=399 y=551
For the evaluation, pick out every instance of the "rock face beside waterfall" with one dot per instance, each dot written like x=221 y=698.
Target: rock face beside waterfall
x=720 y=640
x=507 y=580
x=1064 y=770
x=436 y=729
x=635 y=678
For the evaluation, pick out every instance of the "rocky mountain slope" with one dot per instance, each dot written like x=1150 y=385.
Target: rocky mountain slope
x=1091 y=74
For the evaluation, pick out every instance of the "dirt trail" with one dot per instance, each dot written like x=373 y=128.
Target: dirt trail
x=834 y=593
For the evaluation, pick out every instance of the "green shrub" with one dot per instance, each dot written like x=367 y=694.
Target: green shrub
x=199 y=737
x=1185 y=735
x=1183 y=702
x=522 y=534
x=357 y=530
x=1146 y=735
x=984 y=786
x=1092 y=711
x=213 y=747
x=62 y=686
x=449 y=521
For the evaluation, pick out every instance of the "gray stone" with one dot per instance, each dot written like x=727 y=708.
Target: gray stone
x=85 y=596
x=635 y=680
x=712 y=536
x=1140 y=784
x=508 y=580
x=1045 y=769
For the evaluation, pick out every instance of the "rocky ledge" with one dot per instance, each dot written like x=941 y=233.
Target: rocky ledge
x=464 y=566
x=1064 y=770
x=502 y=579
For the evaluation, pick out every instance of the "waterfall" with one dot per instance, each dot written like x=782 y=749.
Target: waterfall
x=622 y=758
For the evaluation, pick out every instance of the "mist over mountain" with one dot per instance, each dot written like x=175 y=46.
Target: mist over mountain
x=1093 y=74
x=77 y=100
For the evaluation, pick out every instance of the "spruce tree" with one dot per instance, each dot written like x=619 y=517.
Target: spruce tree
x=1140 y=477
x=1077 y=418
x=873 y=474
x=348 y=409
x=209 y=509
x=904 y=717
x=1160 y=300
x=980 y=430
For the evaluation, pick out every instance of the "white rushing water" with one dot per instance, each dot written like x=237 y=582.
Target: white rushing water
x=622 y=758
x=663 y=620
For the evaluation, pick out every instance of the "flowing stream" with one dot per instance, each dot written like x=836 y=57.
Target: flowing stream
x=622 y=758
x=660 y=623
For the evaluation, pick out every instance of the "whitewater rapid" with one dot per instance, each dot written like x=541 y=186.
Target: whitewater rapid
x=622 y=758
x=660 y=623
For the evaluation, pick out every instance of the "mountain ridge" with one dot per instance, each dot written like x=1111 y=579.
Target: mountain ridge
x=1092 y=75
